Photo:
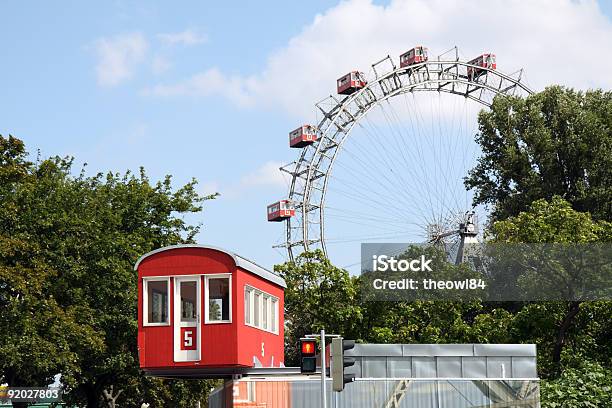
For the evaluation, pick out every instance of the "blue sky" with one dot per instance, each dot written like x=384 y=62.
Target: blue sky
x=210 y=89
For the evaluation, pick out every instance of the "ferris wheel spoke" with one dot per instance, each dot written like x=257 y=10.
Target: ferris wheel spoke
x=417 y=182
x=380 y=138
x=404 y=206
x=387 y=187
x=366 y=168
x=437 y=197
x=416 y=179
x=387 y=231
x=396 y=183
x=375 y=203
x=375 y=222
x=434 y=147
x=334 y=210
x=364 y=238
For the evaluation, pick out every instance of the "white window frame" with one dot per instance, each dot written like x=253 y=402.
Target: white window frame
x=247 y=301
x=270 y=302
x=145 y=300
x=274 y=307
x=207 y=277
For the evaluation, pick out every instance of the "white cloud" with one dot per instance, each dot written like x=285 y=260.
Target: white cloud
x=208 y=188
x=209 y=83
x=556 y=41
x=187 y=37
x=160 y=64
x=267 y=176
x=118 y=57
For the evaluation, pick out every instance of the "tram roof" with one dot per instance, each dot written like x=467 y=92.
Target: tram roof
x=240 y=261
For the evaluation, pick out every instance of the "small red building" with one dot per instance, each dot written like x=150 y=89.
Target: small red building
x=351 y=82
x=303 y=136
x=414 y=56
x=481 y=62
x=207 y=312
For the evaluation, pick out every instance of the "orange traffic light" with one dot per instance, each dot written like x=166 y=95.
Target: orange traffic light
x=308 y=348
x=308 y=359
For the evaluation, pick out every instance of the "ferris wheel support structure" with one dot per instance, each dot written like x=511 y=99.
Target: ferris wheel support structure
x=310 y=174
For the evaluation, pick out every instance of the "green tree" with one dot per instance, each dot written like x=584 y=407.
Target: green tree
x=37 y=333
x=318 y=295
x=554 y=222
x=68 y=247
x=321 y=295
x=556 y=142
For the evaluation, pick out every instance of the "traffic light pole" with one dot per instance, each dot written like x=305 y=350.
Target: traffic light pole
x=323 y=362
x=323 y=367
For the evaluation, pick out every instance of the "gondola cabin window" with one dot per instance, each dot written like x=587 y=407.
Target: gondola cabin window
x=218 y=299
x=260 y=310
x=157 y=307
x=188 y=301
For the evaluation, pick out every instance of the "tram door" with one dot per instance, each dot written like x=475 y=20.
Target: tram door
x=187 y=322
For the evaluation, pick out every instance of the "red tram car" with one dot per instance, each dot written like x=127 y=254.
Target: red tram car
x=303 y=136
x=414 y=56
x=280 y=211
x=207 y=312
x=351 y=82
x=481 y=62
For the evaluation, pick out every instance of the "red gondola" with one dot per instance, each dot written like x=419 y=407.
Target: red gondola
x=280 y=211
x=351 y=82
x=303 y=136
x=481 y=62
x=414 y=56
x=207 y=312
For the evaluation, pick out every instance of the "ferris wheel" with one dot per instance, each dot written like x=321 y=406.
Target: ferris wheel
x=386 y=160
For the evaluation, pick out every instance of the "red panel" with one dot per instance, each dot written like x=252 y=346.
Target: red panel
x=186 y=261
x=251 y=338
x=189 y=338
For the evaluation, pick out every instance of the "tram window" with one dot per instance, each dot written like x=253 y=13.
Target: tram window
x=157 y=302
x=247 y=306
x=257 y=302
x=264 y=308
x=188 y=301
x=219 y=302
x=261 y=311
x=274 y=326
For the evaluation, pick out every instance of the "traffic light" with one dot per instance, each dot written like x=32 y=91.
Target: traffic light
x=308 y=358
x=339 y=362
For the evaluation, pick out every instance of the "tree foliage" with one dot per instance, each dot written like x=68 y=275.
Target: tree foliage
x=553 y=221
x=67 y=285
x=318 y=295
x=587 y=386
x=321 y=295
x=556 y=142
